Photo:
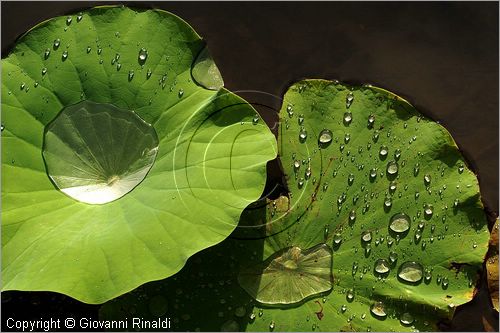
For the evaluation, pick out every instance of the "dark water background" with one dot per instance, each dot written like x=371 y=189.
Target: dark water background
x=442 y=57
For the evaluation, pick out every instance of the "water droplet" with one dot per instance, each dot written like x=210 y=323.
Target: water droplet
x=79 y=17
x=255 y=119
x=47 y=53
x=427 y=180
x=393 y=257
x=392 y=187
x=411 y=271
x=252 y=316
x=350 y=295
x=68 y=20
x=428 y=210
x=301 y=182
x=392 y=168
x=366 y=236
x=343 y=308
x=349 y=99
x=302 y=135
x=181 y=93
x=352 y=216
x=143 y=56
x=347 y=118
x=347 y=138
x=296 y=165
x=397 y=154
x=99 y=50
x=337 y=239
x=57 y=42
x=118 y=66
x=64 y=55
x=44 y=71
x=325 y=138
x=111 y=181
x=325 y=187
x=272 y=324
x=23 y=85
x=89 y=49
x=261 y=312
x=388 y=202
x=371 y=120
x=383 y=152
x=399 y=223
x=307 y=173
x=406 y=319
x=289 y=110
x=350 y=179
x=130 y=75
x=378 y=310
x=373 y=173
x=445 y=283
x=382 y=266
x=416 y=169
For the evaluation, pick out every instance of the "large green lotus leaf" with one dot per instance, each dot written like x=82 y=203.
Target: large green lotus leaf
x=210 y=161
x=447 y=243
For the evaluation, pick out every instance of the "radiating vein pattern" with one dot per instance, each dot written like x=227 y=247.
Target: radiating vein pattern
x=290 y=276
x=97 y=153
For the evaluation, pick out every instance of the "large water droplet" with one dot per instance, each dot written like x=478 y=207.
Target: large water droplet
x=325 y=138
x=83 y=151
x=383 y=151
x=366 y=236
x=411 y=271
x=143 y=56
x=406 y=319
x=392 y=168
x=308 y=271
x=378 y=310
x=382 y=266
x=205 y=72
x=400 y=223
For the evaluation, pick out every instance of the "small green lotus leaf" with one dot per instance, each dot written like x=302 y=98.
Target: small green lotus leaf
x=119 y=160
x=386 y=188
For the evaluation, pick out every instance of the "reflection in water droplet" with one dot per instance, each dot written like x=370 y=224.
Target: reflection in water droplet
x=302 y=135
x=392 y=168
x=411 y=271
x=205 y=72
x=427 y=180
x=79 y=162
x=325 y=138
x=383 y=151
x=366 y=236
x=349 y=99
x=347 y=118
x=143 y=56
x=382 y=266
x=310 y=271
x=406 y=319
x=378 y=310
x=399 y=223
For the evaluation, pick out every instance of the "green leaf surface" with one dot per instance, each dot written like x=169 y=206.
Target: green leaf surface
x=358 y=212
x=210 y=161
